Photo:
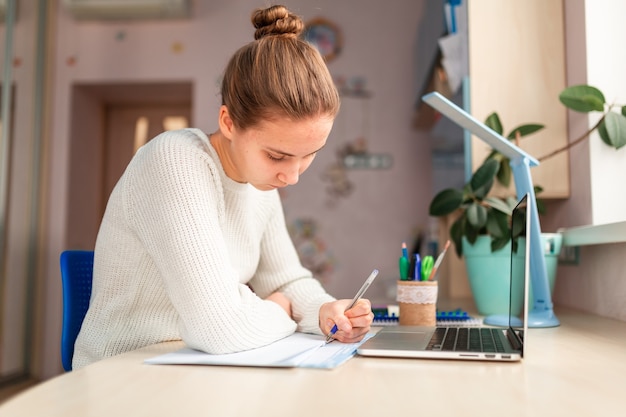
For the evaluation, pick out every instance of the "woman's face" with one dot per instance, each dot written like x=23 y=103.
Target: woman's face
x=276 y=152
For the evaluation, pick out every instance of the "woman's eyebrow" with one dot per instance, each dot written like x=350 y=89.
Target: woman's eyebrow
x=288 y=154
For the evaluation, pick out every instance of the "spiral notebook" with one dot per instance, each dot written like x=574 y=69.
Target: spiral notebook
x=469 y=343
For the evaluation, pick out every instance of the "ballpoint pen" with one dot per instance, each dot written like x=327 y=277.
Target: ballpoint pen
x=438 y=261
x=356 y=298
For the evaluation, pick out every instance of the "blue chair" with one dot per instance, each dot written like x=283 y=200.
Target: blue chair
x=76 y=275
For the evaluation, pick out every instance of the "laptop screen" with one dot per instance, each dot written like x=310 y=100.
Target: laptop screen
x=520 y=249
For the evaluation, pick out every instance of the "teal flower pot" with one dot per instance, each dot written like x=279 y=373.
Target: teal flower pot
x=489 y=273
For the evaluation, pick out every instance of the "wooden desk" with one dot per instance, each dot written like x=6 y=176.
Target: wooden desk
x=571 y=370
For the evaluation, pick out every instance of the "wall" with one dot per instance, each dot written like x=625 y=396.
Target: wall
x=597 y=284
x=352 y=234
x=606 y=65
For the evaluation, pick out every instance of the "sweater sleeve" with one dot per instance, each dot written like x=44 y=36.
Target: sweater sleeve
x=173 y=202
x=280 y=269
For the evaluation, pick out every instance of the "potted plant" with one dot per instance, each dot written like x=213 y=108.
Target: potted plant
x=481 y=233
x=481 y=229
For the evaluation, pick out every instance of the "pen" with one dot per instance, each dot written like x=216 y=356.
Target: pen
x=418 y=268
x=356 y=298
x=439 y=260
x=403 y=263
x=427 y=267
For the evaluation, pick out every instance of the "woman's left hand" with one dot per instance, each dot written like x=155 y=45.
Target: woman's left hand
x=352 y=325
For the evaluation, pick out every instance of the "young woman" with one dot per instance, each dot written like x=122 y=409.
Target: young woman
x=193 y=244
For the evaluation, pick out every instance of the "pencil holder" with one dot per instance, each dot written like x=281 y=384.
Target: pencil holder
x=418 y=303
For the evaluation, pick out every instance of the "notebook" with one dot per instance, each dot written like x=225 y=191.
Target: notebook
x=470 y=342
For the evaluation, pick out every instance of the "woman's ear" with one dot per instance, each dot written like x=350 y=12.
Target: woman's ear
x=227 y=126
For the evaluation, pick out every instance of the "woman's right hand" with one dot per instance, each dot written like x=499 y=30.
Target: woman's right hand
x=280 y=299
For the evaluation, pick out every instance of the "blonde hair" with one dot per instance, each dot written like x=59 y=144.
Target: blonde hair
x=278 y=74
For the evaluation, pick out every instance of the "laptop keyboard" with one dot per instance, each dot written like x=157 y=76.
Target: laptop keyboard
x=466 y=339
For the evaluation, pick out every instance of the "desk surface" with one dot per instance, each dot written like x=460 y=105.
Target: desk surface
x=574 y=369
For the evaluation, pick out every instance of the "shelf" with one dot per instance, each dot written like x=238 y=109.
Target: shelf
x=594 y=235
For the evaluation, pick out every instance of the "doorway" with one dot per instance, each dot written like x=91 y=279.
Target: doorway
x=109 y=123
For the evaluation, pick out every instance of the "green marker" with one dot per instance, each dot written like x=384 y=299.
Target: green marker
x=403 y=265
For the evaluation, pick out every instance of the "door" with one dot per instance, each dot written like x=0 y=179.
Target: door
x=128 y=127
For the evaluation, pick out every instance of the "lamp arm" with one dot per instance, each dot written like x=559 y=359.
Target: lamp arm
x=542 y=313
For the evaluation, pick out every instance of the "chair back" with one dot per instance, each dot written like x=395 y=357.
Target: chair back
x=76 y=275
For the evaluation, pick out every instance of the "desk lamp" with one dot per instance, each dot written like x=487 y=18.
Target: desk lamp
x=542 y=313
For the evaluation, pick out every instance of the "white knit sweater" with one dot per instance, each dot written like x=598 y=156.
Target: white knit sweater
x=177 y=245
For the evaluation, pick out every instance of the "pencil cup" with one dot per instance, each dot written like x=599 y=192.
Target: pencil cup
x=418 y=303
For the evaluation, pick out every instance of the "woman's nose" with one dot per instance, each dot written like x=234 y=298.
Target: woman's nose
x=290 y=174
x=290 y=177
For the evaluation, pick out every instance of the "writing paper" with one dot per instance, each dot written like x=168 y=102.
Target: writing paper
x=297 y=350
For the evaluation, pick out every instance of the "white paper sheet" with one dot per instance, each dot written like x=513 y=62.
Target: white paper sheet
x=297 y=350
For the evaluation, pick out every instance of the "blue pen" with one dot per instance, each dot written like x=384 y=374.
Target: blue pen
x=356 y=298
x=418 y=268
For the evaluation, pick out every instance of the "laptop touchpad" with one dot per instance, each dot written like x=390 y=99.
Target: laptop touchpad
x=400 y=340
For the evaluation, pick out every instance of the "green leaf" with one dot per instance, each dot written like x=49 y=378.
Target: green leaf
x=519 y=223
x=471 y=233
x=503 y=221
x=456 y=235
x=446 y=202
x=512 y=202
x=483 y=178
x=499 y=243
x=494 y=155
x=525 y=130
x=476 y=215
x=624 y=111
x=615 y=130
x=497 y=224
x=493 y=122
x=604 y=135
x=582 y=98
x=499 y=204
x=505 y=172
x=541 y=207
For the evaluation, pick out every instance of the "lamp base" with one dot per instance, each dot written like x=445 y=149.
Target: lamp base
x=543 y=318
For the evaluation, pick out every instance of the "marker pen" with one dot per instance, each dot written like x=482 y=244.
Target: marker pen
x=418 y=268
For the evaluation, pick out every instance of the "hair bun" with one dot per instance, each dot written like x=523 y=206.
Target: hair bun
x=276 y=20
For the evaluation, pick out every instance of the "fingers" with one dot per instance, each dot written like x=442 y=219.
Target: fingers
x=354 y=324
x=363 y=307
x=355 y=334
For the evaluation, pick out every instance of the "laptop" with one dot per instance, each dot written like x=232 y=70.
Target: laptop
x=476 y=342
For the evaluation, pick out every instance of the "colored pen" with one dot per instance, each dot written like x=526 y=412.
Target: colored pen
x=356 y=298
x=427 y=266
x=439 y=260
x=403 y=263
x=418 y=268
x=405 y=251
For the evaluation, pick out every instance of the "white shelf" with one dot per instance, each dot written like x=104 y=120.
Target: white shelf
x=594 y=235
